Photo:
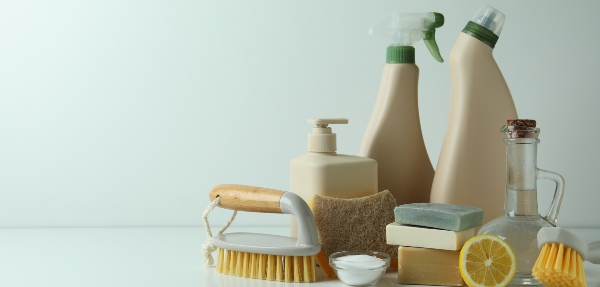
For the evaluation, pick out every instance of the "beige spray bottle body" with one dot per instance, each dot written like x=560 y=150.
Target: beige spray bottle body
x=471 y=168
x=393 y=137
x=322 y=171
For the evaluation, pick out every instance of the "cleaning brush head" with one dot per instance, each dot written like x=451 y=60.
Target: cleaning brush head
x=560 y=263
x=266 y=256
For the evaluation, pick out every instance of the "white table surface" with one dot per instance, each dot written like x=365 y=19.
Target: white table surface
x=145 y=257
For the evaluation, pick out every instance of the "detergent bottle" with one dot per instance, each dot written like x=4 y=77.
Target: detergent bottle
x=471 y=168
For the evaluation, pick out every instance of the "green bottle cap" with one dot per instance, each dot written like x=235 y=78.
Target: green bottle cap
x=482 y=34
x=486 y=25
x=400 y=55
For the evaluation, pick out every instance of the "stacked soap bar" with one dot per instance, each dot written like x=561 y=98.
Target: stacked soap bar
x=430 y=236
x=439 y=215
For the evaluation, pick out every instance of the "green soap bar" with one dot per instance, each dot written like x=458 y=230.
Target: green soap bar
x=439 y=215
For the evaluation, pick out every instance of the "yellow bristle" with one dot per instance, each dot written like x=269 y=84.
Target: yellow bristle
x=246 y=262
x=288 y=265
x=226 y=262
x=570 y=263
x=558 y=261
x=265 y=265
x=313 y=264
x=262 y=270
x=279 y=272
x=239 y=264
x=581 y=273
x=572 y=274
x=258 y=267
x=299 y=269
x=541 y=259
x=306 y=272
x=220 y=260
x=232 y=262
x=551 y=256
x=559 y=266
x=271 y=267
x=253 y=265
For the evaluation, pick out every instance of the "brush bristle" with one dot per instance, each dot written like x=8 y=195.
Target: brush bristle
x=559 y=266
x=267 y=267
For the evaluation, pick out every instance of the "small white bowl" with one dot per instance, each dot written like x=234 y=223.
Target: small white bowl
x=356 y=268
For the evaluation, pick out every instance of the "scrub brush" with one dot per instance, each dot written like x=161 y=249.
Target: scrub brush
x=265 y=256
x=560 y=262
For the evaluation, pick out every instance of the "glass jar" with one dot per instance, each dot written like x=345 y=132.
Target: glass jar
x=521 y=221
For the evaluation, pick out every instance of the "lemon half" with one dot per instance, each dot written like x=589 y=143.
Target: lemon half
x=487 y=261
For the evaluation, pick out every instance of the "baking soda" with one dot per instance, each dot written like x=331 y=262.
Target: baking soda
x=359 y=270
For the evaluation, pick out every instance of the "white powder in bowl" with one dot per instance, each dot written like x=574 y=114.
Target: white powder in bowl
x=359 y=270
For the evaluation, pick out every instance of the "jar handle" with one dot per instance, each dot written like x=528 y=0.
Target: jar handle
x=552 y=215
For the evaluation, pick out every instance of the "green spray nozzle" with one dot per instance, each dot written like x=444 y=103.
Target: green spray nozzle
x=430 y=37
x=406 y=29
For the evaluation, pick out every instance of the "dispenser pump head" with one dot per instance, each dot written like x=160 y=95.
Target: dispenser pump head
x=405 y=30
x=322 y=139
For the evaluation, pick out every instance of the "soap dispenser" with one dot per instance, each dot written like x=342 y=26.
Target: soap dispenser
x=324 y=172
x=393 y=137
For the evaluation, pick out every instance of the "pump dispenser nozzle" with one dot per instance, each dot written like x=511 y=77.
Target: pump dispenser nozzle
x=405 y=30
x=322 y=139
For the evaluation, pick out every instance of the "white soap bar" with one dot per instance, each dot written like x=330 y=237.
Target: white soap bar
x=405 y=235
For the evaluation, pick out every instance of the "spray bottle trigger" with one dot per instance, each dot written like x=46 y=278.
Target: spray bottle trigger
x=432 y=45
x=430 y=37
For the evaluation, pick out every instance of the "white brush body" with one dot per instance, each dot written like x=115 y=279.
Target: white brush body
x=561 y=235
x=594 y=252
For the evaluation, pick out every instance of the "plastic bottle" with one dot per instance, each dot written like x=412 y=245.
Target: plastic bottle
x=322 y=171
x=471 y=168
x=393 y=137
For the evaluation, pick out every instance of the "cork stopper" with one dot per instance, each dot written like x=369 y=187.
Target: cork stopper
x=521 y=123
x=521 y=128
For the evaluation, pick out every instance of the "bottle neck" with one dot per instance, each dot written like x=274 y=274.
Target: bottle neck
x=521 y=176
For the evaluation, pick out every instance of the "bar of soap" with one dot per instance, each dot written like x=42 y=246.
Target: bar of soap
x=439 y=215
x=406 y=235
x=428 y=267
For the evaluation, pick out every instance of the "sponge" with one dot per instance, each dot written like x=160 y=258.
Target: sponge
x=439 y=215
x=355 y=224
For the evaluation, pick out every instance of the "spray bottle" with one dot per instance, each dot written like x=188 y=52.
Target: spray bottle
x=472 y=165
x=393 y=137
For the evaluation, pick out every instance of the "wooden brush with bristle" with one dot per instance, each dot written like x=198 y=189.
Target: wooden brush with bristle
x=265 y=256
x=560 y=263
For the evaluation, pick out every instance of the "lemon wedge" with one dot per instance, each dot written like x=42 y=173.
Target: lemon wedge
x=487 y=261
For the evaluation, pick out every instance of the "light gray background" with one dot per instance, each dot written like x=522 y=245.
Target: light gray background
x=126 y=113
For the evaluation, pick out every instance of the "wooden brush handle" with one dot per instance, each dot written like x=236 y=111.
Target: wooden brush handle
x=247 y=198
